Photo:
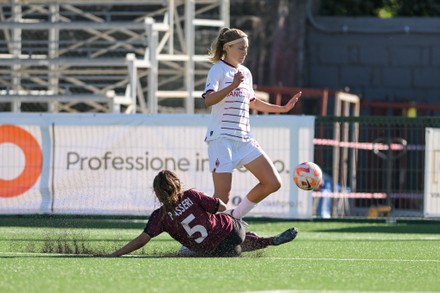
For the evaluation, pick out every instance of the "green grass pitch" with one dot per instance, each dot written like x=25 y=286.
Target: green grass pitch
x=50 y=254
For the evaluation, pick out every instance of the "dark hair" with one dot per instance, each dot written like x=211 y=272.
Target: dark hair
x=167 y=188
x=225 y=35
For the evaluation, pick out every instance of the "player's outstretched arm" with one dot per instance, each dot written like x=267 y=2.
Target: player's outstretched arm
x=262 y=106
x=133 y=245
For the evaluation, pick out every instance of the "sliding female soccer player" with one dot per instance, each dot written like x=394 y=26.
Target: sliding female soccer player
x=229 y=91
x=191 y=218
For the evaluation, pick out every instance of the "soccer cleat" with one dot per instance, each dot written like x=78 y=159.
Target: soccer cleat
x=185 y=251
x=229 y=212
x=285 y=237
x=243 y=223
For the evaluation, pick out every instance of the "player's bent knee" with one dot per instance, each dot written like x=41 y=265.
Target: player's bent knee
x=275 y=185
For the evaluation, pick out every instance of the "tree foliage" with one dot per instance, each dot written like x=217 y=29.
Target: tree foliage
x=380 y=8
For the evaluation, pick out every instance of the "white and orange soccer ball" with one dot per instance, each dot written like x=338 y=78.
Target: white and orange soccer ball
x=307 y=176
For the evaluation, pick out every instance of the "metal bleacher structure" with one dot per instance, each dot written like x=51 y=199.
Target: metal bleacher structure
x=107 y=55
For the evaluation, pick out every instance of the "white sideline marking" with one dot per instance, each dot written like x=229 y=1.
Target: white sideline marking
x=332 y=291
x=355 y=259
x=274 y=258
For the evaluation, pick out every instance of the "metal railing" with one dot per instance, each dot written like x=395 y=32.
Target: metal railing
x=385 y=175
x=138 y=50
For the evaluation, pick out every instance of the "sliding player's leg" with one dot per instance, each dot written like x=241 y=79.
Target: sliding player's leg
x=254 y=242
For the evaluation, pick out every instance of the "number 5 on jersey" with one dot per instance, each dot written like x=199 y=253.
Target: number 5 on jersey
x=192 y=230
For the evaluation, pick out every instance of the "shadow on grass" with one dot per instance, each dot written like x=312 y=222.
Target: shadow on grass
x=93 y=221
x=59 y=221
x=134 y=222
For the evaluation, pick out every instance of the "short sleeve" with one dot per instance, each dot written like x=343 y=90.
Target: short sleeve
x=213 y=80
x=153 y=226
x=250 y=85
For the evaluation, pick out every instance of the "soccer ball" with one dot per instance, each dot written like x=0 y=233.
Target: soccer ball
x=307 y=176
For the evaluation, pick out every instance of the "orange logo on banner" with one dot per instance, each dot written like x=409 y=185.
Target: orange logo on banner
x=33 y=160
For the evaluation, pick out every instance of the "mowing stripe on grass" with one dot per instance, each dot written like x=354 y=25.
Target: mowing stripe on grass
x=273 y=258
x=355 y=259
x=334 y=291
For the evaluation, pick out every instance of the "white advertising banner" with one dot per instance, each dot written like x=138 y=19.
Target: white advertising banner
x=432 y=173
x=104 y=164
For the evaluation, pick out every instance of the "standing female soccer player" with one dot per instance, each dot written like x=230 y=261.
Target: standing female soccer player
x=229 y=90
x=191 y=218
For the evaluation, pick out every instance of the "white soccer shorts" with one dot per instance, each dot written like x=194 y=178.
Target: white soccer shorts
x=225 y=155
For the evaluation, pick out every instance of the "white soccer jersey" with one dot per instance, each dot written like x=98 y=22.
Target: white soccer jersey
x=229 y=117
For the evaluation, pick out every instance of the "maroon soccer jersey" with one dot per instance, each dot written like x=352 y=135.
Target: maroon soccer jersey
x=193 y=222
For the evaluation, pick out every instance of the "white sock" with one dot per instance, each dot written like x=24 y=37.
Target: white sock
x=244 y=207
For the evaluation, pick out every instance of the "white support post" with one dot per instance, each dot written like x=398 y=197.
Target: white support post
x=113 y=106
x=54 y=39
x=16 y=52
x=344 y=102
x=354 y=153
x=336 y=155
x=170 y=21
x=189 y=33
x=152 y=36
x=132 y=81
x=225 y=12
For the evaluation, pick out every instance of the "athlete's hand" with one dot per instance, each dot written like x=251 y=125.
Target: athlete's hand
x=238 y=78
x=291 y=103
